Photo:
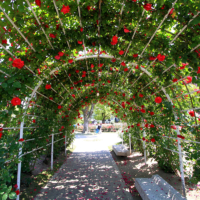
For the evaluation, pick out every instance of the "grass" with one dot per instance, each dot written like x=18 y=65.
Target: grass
x=37 y=182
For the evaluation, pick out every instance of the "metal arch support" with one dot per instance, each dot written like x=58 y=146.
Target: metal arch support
x=21 y=136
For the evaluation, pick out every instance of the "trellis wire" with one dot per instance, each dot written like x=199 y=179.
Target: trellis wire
x=134 y=32
x=60 y=20
x=158 y=27
x=79 y=12
x=39 y=23
x=186 y=94
x=170 y=42
x=16 y=28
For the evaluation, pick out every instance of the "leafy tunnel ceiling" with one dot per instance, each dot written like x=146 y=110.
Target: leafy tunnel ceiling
x=128 y=50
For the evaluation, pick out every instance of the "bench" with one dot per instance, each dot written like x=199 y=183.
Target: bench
x=156 y=188
x=120 y=150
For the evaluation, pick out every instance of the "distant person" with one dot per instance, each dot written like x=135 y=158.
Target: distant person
x=99 y=127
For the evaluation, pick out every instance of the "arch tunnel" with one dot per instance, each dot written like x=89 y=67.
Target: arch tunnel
x=141 y=58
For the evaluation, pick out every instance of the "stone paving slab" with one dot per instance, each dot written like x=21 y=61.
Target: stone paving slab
x=86 y=175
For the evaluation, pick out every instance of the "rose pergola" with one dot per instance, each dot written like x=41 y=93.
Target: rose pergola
x=141 y=58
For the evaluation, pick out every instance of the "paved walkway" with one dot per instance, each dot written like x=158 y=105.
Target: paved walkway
x=89 y=173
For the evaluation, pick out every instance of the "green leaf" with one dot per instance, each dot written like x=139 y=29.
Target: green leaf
x=12 y=195
x=17 y=85
x=4 y=85
x=9 y=189
x=5 y=196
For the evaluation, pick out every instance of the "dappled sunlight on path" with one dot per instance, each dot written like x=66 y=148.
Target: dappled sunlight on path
x=89 y=173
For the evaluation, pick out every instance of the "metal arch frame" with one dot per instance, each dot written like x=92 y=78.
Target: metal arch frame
x=21 y=136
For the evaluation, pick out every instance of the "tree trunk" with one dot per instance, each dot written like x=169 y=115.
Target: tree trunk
x=87 y=115
x=85 y=126
x=103 y=118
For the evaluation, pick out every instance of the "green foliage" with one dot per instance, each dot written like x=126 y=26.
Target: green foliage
x=102 y=112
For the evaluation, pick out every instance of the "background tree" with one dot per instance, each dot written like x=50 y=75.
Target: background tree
x=102 y=112
x=87 y=114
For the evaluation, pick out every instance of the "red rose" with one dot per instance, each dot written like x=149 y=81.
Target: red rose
x=38 y=3
x=70 y=61
x=113 y=60
x=59 y=106
x=18 y=63
x=153 y=140
x=126 y=30
x=10 y=59
x=142 y=110
x=136 y=67
x=51 y=98
x=0 y=135
x=192 y=113
x=125 y=69
x=147 y=6
x=130 y=108
x=188 y=80
x=114 y=40
x=57 y=57
x=141 y=95
x=65 y=9
x=135 y=55
x=21 y=140
x=52 y=35
x=163 y=7
x=151 y=113
x=152 y=58
x=17 y=192
x=121 y=52
x=57 y=26
x=158 y=99
x=81 y=29
x=123 y=64
x=100 y=65
x=174 y=127
x=143 y=138
x=108 y=81
x=180 y=136
x=16 y=101
x=138 y=124
x=4 y=41
x=160 y=57
x=198 y=72
x=146 y=125
x=152 y=126
x=80 y=42
x=92 y=66
x=16 y=186
x=171 y=11
x=47 y=86
x=38 y=71
x=73 y=95
x=60 y=54
x=34 y=120
x=123 y=104
x=175 y=80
